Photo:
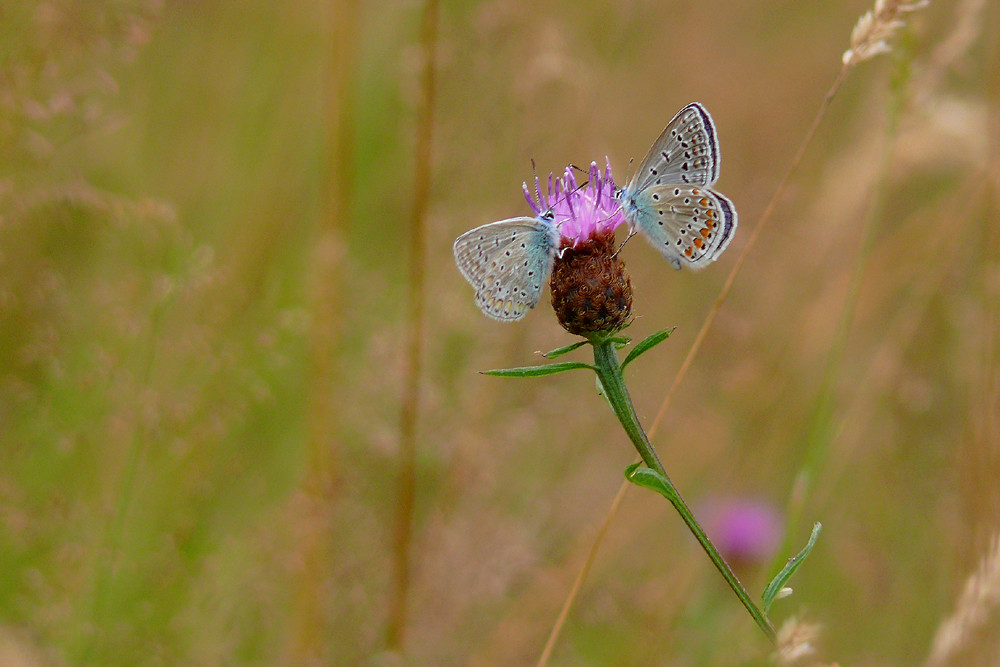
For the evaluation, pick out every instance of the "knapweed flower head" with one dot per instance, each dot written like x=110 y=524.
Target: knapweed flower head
x=571 y=239
x=579 y=213
x=591 y=291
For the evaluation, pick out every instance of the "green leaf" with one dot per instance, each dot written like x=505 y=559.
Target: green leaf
x=649 y=343
x=559 y=351
x=620 y=341
x=535 y=371
x=778 y=583
x=650 y=479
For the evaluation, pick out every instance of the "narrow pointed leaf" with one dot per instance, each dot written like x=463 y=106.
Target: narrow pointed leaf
x=559 y=351
x=650 y=479
x=649 y=343
x=535 y=371
x=778 y=583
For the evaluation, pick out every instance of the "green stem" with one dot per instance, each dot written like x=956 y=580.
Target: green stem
x=610 y=374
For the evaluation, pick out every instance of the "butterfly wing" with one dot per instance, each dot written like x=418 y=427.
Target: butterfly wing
x=687 y=151
x=507 y=263
x=690 y=225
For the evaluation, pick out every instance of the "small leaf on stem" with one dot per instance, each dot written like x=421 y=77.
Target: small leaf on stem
x=559 y=351
x=620 y=342
x=649 y=343
x=650 y=479
x=535 y=371
x=777 y=585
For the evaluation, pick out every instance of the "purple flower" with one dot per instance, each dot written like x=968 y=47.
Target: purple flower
x=579 y=213
x=745 y=530
x=591 y=291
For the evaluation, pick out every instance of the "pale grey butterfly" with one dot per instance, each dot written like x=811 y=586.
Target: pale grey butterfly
x=507 y=263
x=668 y=199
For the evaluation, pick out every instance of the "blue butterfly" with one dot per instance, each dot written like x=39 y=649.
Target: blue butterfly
x=507 y=263
x=668 y=199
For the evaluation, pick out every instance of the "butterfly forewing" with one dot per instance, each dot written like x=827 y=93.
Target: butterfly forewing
x=690 y=225
x=687 y=151
x=507 y=263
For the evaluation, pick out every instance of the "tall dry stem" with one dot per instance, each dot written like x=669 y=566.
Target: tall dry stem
x=313 y=505
x=410 y=408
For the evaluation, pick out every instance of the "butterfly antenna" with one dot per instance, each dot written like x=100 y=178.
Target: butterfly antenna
x=566 y=195
x=631 y=233
x=596 y=174
x=619 y=190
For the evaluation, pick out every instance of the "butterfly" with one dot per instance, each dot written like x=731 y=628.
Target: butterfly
x=668 y=199
x=508 y=262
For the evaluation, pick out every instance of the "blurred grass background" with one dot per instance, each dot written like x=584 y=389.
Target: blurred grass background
x=204 y=213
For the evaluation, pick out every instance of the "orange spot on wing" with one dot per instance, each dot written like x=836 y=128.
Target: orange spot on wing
x=704 y=232
x=704 y=201
x=688 y=250
x=698 y=243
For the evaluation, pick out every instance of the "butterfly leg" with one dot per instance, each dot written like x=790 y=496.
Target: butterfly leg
x=631 y=233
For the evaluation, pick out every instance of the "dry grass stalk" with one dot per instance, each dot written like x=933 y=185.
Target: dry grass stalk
x=410 y=404
x=796 y=641
x=979 y=599
x=875 y=28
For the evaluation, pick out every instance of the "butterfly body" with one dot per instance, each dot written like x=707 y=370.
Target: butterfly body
x=507 y=263
x=669 y=199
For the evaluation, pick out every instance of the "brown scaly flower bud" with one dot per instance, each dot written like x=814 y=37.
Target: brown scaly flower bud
x=591 y=290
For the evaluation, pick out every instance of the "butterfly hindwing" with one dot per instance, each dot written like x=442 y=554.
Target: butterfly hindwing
x=690 y=225
x=687 y=151
x=507 y=263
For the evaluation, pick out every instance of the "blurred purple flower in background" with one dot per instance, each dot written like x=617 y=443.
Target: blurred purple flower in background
x=746 y=531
